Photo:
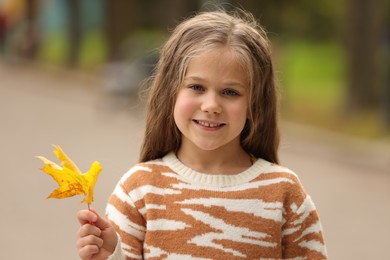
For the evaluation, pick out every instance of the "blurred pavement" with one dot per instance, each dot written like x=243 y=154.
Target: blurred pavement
x=349 y=179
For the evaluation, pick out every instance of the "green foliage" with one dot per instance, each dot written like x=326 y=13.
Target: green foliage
x=313 y=75
x=312 y=81
x=53 y=49
x=93 y=51
x=314 y=20
x=143 y=42
x=313 y=84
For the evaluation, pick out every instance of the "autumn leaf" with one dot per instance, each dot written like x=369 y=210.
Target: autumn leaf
x=70 y=179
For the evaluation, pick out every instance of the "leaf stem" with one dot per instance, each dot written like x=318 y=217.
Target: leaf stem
x=89 y=208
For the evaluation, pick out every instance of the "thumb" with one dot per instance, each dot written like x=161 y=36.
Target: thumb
x=99 y=221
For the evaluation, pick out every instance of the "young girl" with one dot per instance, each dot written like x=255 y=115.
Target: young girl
x=208 y=185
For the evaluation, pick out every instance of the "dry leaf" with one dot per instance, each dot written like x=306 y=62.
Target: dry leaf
x=70 y=179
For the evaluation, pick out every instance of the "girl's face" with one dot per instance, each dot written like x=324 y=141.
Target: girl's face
x=212 y=102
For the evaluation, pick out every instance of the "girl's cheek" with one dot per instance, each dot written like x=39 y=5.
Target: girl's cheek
x=185 y=103
x=238 y=112
x=184 y=107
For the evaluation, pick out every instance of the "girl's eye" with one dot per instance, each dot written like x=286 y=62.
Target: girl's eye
x=196 y=87
x=231 y=92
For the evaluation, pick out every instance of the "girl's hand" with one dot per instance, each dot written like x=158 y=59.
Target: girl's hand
x=96 y=238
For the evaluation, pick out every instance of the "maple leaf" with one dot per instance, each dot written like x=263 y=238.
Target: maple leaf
x=70 y=179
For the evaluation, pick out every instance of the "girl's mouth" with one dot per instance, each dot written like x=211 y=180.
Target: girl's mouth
x=208 y=124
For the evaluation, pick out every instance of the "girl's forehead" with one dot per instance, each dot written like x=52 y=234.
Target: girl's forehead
x=221 y=56
x=216 y=50
x=225 y=54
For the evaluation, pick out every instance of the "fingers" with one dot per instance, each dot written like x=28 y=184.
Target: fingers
x=96 y=237
x=91 y=216
x=88 y=229
x=88 y=251
x=89 y=241
x=86 y=216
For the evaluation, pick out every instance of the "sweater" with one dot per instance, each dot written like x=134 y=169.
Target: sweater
x=162 y=209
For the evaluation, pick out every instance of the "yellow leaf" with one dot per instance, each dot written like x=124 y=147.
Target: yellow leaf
x=70 y=179
x=65 y=160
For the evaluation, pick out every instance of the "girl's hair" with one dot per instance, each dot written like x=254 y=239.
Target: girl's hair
x=239 y=32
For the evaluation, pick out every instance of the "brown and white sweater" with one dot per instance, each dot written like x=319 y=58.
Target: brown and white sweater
x=164 y=210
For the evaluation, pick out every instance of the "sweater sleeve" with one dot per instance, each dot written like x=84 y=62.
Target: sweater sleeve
x=118 y=254
x=128 y=222
x=302 y=231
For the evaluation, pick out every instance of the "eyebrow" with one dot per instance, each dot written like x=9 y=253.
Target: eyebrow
x=228 y=83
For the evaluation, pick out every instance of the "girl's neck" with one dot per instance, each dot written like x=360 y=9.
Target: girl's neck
x=224 y=160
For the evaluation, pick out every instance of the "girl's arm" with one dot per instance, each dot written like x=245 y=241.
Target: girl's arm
x=302 y=233
x=131 y=236
x=126 y=218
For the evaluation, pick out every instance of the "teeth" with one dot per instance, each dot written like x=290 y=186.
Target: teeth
x=208 y=124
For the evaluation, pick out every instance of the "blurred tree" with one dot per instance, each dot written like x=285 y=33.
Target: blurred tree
x=313 y=20
x=167 y=15
x=30 y=44
x=121 y=21
x=386 y=64
x=124 y=17
x=75 y=32
x=362 y=45
x=3 y=28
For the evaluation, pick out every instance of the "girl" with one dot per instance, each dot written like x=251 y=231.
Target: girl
x=208 y=185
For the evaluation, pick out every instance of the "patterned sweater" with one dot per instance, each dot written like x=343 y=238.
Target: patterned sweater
x=164 y=210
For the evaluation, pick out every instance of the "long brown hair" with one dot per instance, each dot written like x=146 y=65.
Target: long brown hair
x=240 y=32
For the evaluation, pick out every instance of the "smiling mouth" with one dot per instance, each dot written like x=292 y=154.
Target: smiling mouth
x=207 y=124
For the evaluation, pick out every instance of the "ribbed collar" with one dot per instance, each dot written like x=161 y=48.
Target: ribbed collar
x=214 y=180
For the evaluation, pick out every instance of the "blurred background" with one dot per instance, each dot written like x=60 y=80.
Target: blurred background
x=70 y=71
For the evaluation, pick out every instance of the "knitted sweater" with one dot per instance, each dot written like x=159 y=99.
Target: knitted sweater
x=164 y=210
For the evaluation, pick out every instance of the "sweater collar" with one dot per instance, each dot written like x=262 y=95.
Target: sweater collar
x=216 y=180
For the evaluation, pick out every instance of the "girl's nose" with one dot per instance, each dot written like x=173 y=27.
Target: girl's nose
x=211 y=104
